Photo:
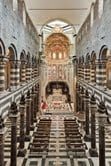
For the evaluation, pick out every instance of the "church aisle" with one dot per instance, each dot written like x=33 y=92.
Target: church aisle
x=58 y=153
x=57 y=140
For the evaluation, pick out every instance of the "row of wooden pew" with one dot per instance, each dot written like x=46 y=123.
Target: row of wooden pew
x=74 y=142
x=40 y=143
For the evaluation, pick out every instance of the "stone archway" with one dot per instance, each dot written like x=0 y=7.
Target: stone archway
x=57 y=85
x=12 y=56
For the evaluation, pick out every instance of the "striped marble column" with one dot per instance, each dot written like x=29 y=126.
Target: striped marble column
x=93 y=108
x=86 y=107
x=28 y=119
x=1 y=142
x=87 y=72
x=78 y=108
x=82 y=72
x=28 y=73
x=13 y=118
x=2 y=75
x=35 y=103
x=102 y=118
x=99 y=76
x=109 y=72
x=14 y=75
x=104 y=74
x=3 y=60
x=92 y=73
x=23 y=73
x=21 y=149
x=35 y=72
x=82 y=99
x=32 y=110
x=79 y=72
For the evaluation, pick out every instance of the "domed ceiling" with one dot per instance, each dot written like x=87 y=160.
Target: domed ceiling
x=57 y=47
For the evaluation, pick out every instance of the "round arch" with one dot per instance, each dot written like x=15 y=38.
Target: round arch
x=87 y=60
x=28 y=58
x=2 y=47
x=12 y=52
x=93 y=56
x=22 y=65
x=104 y=57
x=82 y=59
x=56 y=85
x=23 y=56
x=93 y=66
x=62 y=20
x=103 y=52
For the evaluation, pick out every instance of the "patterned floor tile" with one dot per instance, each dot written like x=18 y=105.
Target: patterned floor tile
x=57 y=162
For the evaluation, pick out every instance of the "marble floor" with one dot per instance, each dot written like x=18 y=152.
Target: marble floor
x=57 y=154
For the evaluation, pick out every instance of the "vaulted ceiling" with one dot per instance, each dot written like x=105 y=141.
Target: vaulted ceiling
x=72 y=11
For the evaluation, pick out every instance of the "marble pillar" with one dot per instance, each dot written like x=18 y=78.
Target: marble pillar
x=13 y=119
x=28 y=109
x=32 y=109
x=35 y=103
x=1 y=142
x=22 y=150
x=102 y=118
x=86 y=107
x=93 y=107
x=2 y=72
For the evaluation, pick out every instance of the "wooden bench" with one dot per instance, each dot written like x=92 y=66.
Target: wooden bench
x=70 y=145
x=38 y=149
x=77 y=152
x=36 y=141
x=73 y=137
x=73 y=140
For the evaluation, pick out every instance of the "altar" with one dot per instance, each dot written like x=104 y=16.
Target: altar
x=57 y=99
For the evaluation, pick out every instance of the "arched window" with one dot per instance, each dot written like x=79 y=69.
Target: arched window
x=12 y=55
x=100 y=8
x=60 y=55
x=24 y=15
x=15 y=5
x=106 y=66
x=96 y=9
x=108 y=69
x=92 y=14
x=54 y=55
x=22 y=60
x=64 y=55
x=93 y=67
